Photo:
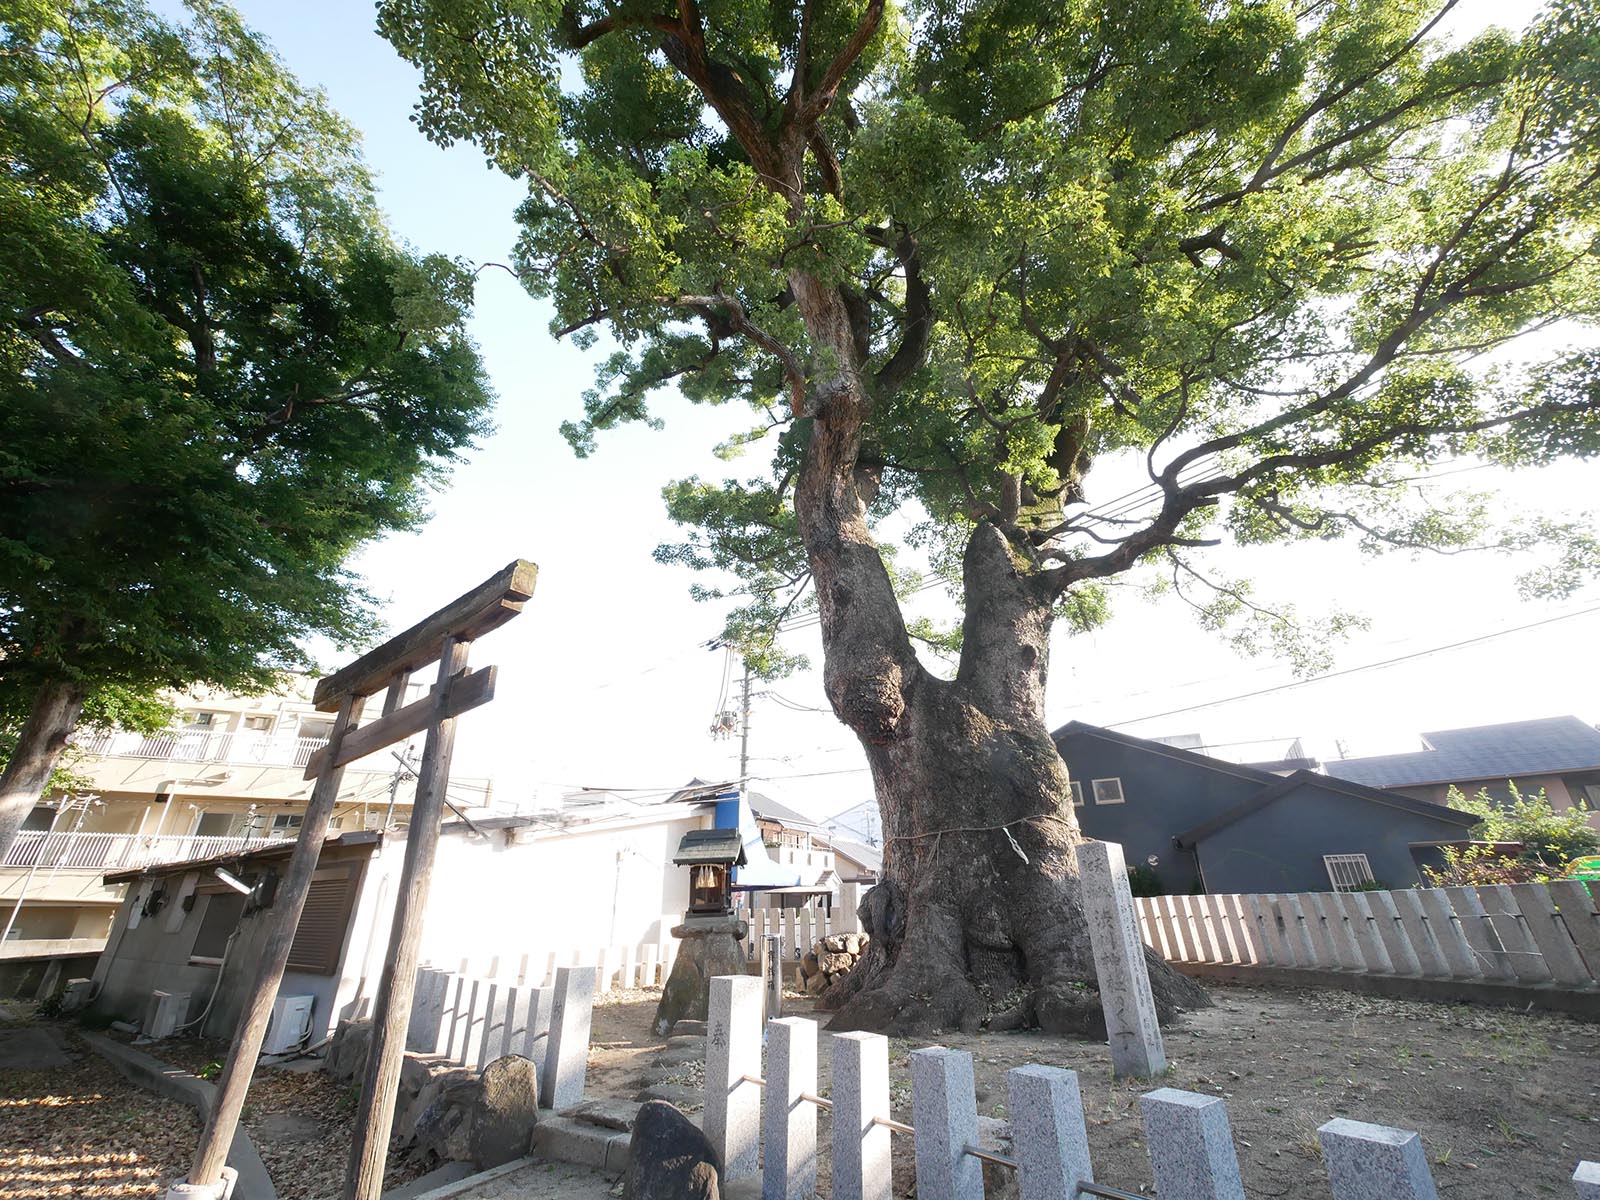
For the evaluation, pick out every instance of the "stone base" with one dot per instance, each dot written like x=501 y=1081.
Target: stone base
x=706 y=952
x=220 y=1190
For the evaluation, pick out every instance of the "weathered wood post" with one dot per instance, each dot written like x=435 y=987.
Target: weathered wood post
x=445 y=635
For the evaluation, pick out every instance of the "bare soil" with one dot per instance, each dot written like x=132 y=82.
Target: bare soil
x=1506 y=1103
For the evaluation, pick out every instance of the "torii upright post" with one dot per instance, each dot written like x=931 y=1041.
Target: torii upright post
x=444 y=637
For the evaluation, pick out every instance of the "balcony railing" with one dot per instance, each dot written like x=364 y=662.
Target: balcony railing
x=202 y=745
x=117 y=851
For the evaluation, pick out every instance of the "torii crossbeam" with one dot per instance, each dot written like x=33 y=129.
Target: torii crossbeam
x=444 y=638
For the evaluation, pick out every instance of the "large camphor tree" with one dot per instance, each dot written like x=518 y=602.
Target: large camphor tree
x=219 y=373
x=955 y=253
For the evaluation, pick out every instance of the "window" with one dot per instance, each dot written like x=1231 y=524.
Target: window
x=258 y=724
x=1108 y=791
x=1077 y=794
x=286 y=823
x=217 y=923
x=1348 y=872
x=202 y=720
x=39 y=820
x=219 y=824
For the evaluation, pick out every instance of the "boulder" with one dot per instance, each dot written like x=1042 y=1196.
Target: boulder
x=484 y=1119
x=836 y=964
x=669 y=1158
x=408 y=1113
x=506 y=1112
x=817 y=984
x=810 y=965
x=347 y=1051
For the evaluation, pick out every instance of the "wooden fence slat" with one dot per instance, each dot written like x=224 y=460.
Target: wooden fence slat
x=1561 y=957
x=1577 y=910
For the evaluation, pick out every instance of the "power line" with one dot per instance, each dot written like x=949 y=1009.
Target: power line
x=1387 y=662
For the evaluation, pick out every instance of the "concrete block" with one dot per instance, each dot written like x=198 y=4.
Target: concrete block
x=860 y=1093
x=788 y=1123
x=1414 y=920
x=1049 y=1139
x=1586 y=1181
x=1374 y=1162
x=1386 y=921
x=1191 y=1146
x=1373 y=951
x=567 y=1055
x=944 y=1110
x=733 y=1050
x=1132 y=1029
x=1446 y=930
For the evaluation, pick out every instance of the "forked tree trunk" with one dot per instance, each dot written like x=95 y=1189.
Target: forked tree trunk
x=978 y=920
x=56 y=707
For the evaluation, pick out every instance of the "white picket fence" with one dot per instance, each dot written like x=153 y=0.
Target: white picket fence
x=1529 y=933
x=769 y=1114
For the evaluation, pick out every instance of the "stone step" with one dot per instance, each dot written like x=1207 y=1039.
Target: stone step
x=606 y=1112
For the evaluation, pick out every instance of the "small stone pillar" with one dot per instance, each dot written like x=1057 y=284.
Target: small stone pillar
x=707 y=947
x=732 y=1120
x=1049 y=1137
x=528 y=1025
x=1374 y=1162
x=789 y=1123
x=860 y=1085
x=1191 y=1146
x=1586 y=1179
x=567 y=1057
x=1130 y=1009
x=944 y=1111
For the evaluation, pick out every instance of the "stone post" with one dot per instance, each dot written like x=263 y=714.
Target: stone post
x=1130 y=1009
x=491 y=1043
x=861 y=1162
x=1365 y=929
x=1374 y=1162
x=944 y=1111
x=1586 y=1179
x=772 y=975
x=1446 y=929
x=1048 y=1136
x=1191 y=1146
x=733 y=1050
x=651 y=953
x=567 y=1056
x=1430 y=956
x=788 y=1123
x=528 y=1026
x=422 y=1032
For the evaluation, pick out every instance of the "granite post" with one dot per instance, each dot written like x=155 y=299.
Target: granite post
x=860 y=1085
x=491 y=1043
x=732 y=1120
x=789 y=1123
x=1586 y=1181
x=567 y=1056
x=528 y=1027
x=1191 y=1146
x=1374 y=1162
x=1048 y=1135
x=1130 y=1010
x=944 y=1110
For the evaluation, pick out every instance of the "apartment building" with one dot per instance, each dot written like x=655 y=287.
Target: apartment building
x=229 y=774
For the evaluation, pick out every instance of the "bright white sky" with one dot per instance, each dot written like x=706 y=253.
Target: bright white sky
x=604 y=679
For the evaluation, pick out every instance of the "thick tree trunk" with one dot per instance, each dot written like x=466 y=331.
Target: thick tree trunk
x=978 y=921
x=44 y=734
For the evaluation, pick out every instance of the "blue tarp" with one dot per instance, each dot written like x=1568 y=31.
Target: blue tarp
x=759 y=871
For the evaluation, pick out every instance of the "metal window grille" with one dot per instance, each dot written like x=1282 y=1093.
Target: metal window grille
x=1348 y=872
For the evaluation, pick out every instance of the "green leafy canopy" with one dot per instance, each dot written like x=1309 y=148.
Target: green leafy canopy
x=1271 y=249
x=219 y=373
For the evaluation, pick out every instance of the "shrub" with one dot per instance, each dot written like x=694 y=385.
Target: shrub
x=1550 y=840
x=1143 y=881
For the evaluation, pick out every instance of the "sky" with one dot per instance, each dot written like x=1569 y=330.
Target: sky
x=606 y=679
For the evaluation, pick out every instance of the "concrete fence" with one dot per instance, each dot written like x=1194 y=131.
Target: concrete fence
x=768 y=1114
x=800 y=928
x=471 y=1022
x=1532 y=934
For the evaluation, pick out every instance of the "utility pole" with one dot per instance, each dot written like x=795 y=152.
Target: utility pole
x=744 y=731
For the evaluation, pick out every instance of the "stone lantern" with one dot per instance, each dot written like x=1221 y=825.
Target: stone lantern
x=710 y=932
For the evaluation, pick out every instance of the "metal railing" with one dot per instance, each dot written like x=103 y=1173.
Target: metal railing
x=202 y=745
x=117 y=851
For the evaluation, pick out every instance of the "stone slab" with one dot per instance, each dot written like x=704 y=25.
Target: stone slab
x=1374 y=1162
x=944 y=1112
x=1191 y=1146
x=1132 y=1030
x=1049 y=1139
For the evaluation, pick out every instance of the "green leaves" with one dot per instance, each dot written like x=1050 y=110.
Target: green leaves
x=218 y=373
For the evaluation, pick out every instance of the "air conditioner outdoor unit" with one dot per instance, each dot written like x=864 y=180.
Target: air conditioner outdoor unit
x=290 y=1025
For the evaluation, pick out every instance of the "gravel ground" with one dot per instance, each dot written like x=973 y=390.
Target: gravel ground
x=83 y=1130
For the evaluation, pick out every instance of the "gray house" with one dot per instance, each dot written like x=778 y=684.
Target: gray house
x=1204 y=824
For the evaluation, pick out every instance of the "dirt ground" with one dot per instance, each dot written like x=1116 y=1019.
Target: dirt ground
x=82 y=1130
x=1507 y=1103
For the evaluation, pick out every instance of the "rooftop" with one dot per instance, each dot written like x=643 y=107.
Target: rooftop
x=1483 y=752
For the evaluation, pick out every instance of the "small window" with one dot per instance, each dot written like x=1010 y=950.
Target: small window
x=39 y=820
x=1077 y=794
x=286 y=823
x=214 y=824
x=1108 y=791
x=1348 y=872
x=217 y=923
x=336 y=823
x=202 y=720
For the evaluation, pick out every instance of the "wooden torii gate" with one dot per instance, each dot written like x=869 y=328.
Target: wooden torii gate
x=444 y=638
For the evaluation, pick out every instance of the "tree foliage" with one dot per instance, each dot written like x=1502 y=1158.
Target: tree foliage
x=1549 y=837
x=219 y=372
x=1268 y=248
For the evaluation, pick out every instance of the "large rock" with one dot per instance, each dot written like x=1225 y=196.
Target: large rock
x=410 y=1114
x=703 y=954
x=347 y=1050
x=484 y=1119
x=669 y=1158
